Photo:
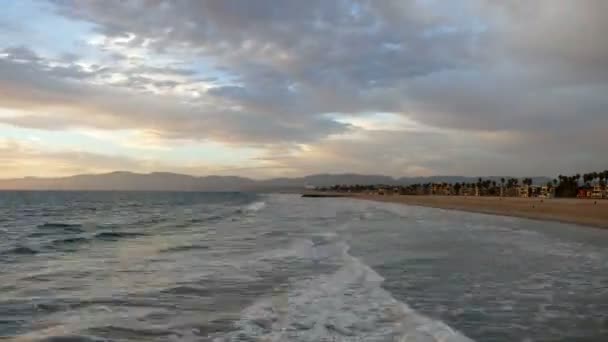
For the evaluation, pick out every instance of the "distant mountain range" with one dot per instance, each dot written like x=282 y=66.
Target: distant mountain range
x=163 y=181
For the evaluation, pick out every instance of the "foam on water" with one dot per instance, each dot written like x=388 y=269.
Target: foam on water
x=242 y=267
x=348 y=305
x=255 y=206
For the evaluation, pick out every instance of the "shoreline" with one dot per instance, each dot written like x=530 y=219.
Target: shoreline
x=591 y=213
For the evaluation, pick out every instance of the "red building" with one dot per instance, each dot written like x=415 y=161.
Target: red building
x=584 y=193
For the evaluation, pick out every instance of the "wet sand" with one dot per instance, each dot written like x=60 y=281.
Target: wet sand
x=570 y=210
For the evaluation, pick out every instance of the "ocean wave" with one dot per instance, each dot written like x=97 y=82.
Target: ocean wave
x=189 y=291
x=52 y=227
x=205 y=219
x=117 y=235
x=70 y=241
x=60 y=338
x=133 y=333
x=184 y=248
x=348 y=305
x=21 y=250
x=275 y=233
x=252 y=207
x=73 y=338
x=59 y=225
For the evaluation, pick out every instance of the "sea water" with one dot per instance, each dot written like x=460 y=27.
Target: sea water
x=145 y=266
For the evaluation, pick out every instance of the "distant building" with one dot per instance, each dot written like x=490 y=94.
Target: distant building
x=585 y=192
x=524 y=191
x=545 y=192
x=441 y=189
x=597 y=192
x=469 y=191
x=535 y=191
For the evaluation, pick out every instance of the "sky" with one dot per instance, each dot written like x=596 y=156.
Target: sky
x=287 y=88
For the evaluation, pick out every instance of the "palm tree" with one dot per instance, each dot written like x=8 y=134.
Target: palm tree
x=457 y=189
x=426 y=187
x=602 y=176
x=587 y=177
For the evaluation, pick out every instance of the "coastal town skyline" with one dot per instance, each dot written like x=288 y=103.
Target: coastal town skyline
x=592 y=185
x=558 y=186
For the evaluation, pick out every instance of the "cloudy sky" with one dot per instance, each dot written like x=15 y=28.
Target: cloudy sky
x=271 y=88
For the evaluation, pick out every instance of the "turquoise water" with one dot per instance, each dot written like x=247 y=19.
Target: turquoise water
x=113 y=266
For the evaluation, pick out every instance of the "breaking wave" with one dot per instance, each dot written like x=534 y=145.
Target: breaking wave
x=347 y=305
x=254 y=207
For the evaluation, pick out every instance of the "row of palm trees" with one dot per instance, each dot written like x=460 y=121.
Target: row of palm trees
x=570 y=185
x=590 y=178
x=562 y=186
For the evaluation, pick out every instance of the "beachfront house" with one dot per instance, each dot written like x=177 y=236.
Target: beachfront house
x=597 y=192
x=535 y=191
x=524 y=191
x=584 y=192
x=512 y=191
x=442 y=189
x=546 y=192
x=469 y=191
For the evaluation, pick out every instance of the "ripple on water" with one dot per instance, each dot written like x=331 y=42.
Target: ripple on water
x=132 y=333
x=184 y=248
x=21 y=250
x=117 y=235
x=61 y=226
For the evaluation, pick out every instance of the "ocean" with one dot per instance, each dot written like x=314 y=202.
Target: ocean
x=146 y=266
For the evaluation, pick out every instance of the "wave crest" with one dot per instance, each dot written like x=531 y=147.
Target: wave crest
x=348 y=305
x=255 y=206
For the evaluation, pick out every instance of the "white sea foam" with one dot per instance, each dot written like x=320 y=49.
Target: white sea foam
x=255 y=206
x=348 y=305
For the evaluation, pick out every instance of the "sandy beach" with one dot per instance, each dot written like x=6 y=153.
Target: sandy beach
x=584 y=212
